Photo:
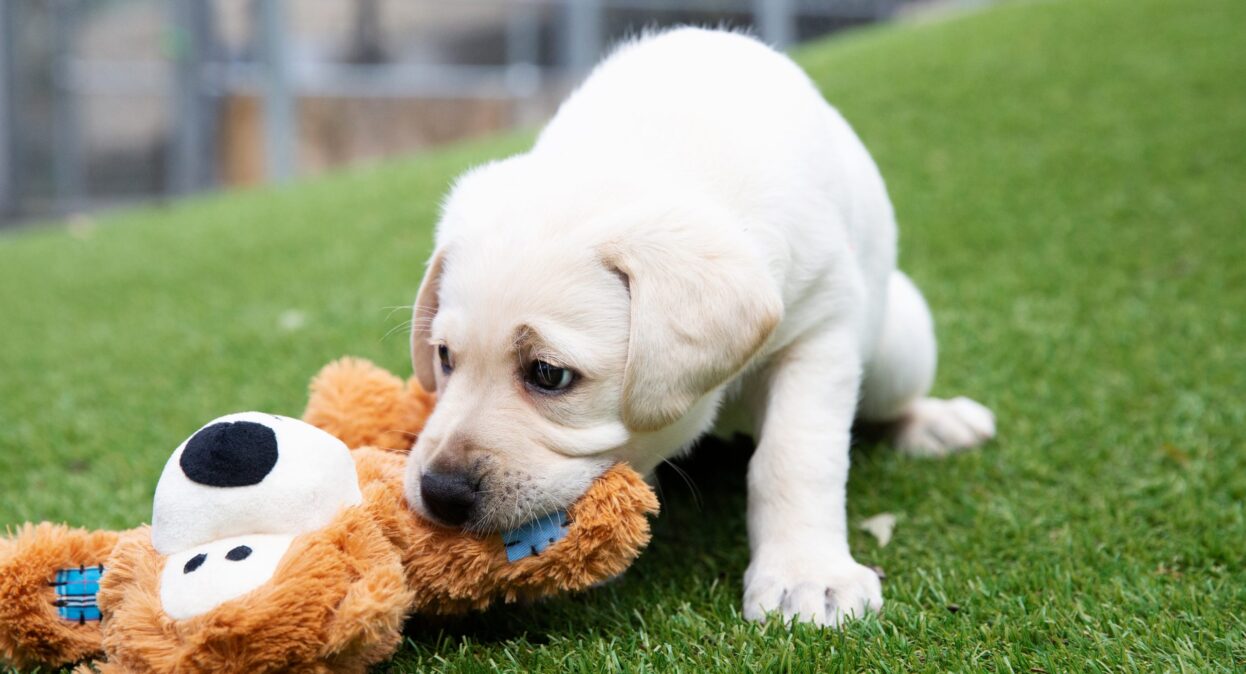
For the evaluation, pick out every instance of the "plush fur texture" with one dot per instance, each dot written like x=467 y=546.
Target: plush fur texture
x=339 y=596
x=31 y=632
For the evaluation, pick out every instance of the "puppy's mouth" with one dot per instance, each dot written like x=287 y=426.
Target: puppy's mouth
x=480 y=505
x=520 y=540
x=497 y=499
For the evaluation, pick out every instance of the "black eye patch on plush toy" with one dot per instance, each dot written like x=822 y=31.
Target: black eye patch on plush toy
x=233 y=454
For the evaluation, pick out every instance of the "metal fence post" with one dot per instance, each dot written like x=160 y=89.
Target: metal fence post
x=582 y=34
x=776 y=21
x=67 y=166
x=8 y=192
x=280 y=122
x=191 y=165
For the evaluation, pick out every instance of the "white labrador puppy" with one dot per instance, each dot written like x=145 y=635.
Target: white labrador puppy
x=696 y=225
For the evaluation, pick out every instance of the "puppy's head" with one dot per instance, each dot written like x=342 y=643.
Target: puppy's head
x=564 y=331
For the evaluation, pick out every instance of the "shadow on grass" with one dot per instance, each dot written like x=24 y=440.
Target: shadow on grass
x=699 y=542
x=701 y=525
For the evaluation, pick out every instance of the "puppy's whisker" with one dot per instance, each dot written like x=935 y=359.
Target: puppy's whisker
x=391 y=310
x=405 y=326
x=420 y=322
x=692 y=487
x=401 y=327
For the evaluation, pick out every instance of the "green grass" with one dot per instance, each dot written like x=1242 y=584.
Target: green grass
x=1070 y=178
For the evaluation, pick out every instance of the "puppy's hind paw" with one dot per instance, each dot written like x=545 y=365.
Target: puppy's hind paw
x=933 y=427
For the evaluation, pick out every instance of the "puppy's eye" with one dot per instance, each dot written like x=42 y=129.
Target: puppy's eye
x=443 y=355
x=547 y=377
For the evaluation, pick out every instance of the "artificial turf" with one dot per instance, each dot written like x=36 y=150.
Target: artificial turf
x=1070 y=179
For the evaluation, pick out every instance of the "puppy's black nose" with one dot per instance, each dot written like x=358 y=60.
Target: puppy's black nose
x=448 y=496
x=230 y=454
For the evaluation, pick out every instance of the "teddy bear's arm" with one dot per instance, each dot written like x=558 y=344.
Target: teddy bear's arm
x=452 y=572
x=49 y=575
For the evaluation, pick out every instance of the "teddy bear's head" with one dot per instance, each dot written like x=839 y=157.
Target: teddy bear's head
x=264 y=554
x=233 y=497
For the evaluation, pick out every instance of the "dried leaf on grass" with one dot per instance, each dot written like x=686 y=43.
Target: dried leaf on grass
x=880 y=527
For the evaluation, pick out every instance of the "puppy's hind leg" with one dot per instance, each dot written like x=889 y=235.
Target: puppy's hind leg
x=898 y=378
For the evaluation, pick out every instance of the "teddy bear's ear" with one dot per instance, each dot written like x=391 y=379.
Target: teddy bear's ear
x=365 y=405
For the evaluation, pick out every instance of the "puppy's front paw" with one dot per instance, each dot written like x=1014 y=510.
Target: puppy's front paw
x=816 y=590
x=934 y=427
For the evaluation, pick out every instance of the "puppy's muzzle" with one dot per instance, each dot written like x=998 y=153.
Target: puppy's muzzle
x=448 y=496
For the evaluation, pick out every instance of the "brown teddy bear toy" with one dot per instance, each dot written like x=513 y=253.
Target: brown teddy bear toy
x=273 y=547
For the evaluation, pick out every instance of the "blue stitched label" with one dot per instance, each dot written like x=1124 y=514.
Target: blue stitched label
x=75 y=593
x=533 y=538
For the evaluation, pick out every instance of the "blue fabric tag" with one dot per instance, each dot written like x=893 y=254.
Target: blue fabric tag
x=75 y=593
x=533 y=538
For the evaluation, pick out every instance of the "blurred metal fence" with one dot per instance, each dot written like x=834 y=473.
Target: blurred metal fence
x=7 y=186
x=51 y=76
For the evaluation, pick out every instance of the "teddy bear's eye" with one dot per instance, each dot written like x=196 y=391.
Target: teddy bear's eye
x=238 y=554
x=195 y=562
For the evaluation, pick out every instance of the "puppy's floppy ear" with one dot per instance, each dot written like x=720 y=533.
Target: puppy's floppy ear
x=701 y=307
x=426 y=302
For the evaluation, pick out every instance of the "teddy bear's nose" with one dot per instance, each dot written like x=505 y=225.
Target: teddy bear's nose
x=230 y=454
x=448 y=496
